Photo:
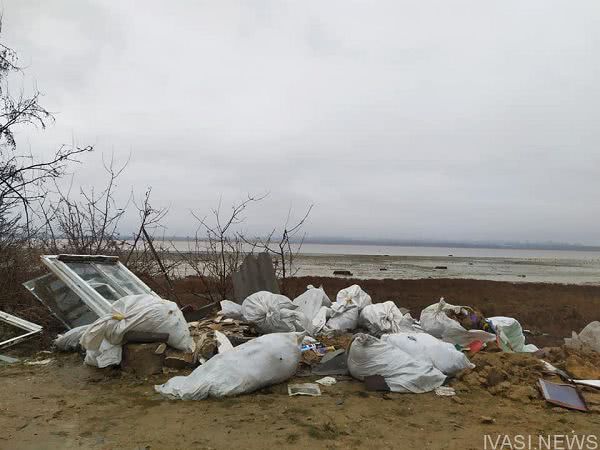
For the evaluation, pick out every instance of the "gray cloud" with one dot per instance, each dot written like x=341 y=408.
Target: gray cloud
x=442 y=120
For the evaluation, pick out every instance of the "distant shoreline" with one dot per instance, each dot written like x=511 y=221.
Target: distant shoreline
x=448 y=244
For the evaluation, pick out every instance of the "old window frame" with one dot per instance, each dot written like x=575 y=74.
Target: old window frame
x=30 y=327
x=92 y=298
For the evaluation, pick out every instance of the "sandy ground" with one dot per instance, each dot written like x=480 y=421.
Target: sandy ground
x=68 y=405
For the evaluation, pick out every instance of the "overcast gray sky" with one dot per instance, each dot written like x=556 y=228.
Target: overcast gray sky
x=463 y=120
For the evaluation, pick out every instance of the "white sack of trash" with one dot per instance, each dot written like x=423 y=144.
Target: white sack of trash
x=442 y=355
x=435 y=322
x=314 y=305
x=589 y=337
x=354 y=295
x=343 y=317
x=510 y=335
x=382 y=318
x=142 y=312
x=69 y=341
x=231 y=310
x=107 y=355
x=346 y=309
x=264 y=361
x=272 y=313
x=369 y=355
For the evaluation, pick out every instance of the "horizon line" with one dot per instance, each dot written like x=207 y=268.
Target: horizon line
x=515 y=245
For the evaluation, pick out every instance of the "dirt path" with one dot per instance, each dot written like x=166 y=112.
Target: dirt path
x=68 y=405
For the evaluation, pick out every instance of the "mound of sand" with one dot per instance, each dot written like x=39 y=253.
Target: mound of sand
x=509 y=375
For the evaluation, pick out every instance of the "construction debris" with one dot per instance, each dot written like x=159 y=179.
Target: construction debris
x=445 y=391
x=564 y=395
x=41 y=362
x=8 y=360
x=254 y=275
x=142 y=359
x=176 y=359
x=310 y=389
x=22 y=324
x=326 y=381
x=81 y=290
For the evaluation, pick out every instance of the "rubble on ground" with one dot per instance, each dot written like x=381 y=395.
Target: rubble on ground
x=267 y=338
x=502 y=374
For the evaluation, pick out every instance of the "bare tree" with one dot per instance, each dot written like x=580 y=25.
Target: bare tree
x=89 y=224
x=147 y=259
x=218 y=249
x=23 y=181
x=21 y=175
x=285 y=247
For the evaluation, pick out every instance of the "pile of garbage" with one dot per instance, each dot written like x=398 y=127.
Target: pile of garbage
x=266 y=338
x=269 y=338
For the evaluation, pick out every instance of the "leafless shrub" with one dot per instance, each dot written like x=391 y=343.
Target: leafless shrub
x=218 y=249
x=284 y=247
x=88 y=224
x=148 y=258
x=23 y=180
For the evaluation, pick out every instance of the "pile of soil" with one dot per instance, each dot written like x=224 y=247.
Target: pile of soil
x=514 y=376
x=583 y=364
x=508 y=375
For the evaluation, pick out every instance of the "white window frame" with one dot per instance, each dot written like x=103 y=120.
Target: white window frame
x=92 y=298
x=30 y=327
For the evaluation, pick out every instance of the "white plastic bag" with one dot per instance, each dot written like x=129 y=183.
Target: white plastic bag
x=354 y=295
x=272 y=313
x=403 y=373
x=343 y=316
x=107 y=355
x=425 y=347
x=69 y=341
x=223 y=342
x=313 y=304
x=231 y=310
x=311 y=301
x=510 y=335
x=139 y=313
x=435 y=322
x=319 y=321
x=589 y=337
x=269 y=359
x=380 y=318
